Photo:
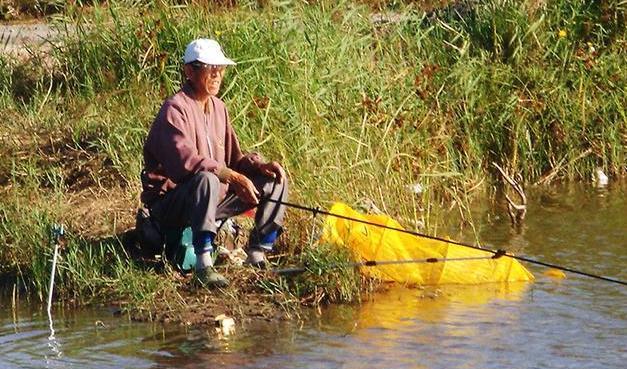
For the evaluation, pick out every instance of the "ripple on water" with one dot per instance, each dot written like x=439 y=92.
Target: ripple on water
x=27 y=344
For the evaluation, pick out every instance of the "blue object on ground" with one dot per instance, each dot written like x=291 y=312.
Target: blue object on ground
x=179 y=248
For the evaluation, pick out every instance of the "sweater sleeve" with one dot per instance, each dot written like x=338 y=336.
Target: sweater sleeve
x=175 y=146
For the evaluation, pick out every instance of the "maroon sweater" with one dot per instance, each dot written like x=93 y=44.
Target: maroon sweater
x=184 y=140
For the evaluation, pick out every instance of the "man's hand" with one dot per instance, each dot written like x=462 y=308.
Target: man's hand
x=241 y=185
x=274 y=170
x=245 y=189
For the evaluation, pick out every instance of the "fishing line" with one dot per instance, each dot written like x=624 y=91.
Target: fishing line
x=497 y=253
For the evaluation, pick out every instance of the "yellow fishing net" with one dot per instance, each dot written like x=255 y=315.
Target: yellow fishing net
x=370 y=242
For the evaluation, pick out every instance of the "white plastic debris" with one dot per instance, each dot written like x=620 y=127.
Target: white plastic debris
x=224 y=324
x=601 y=179
x=238 y=256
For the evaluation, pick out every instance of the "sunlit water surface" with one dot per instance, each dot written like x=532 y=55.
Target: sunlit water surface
x=576 y=322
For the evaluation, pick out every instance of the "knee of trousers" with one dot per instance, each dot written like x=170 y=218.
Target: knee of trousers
x=205 y=184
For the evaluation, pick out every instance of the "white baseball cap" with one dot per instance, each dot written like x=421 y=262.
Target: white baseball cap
x=206 y=51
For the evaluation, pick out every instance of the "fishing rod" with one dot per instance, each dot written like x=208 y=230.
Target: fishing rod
x=499 y=252
x=371 y=263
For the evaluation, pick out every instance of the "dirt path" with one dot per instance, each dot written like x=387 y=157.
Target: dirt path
x=19 y=39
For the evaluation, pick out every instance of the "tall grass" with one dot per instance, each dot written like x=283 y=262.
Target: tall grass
x=354 y=108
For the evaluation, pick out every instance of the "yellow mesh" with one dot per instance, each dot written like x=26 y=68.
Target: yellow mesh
x=370 y=242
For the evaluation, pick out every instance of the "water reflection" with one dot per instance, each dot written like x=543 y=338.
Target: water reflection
x=25 y=340
x=433 y=305
x=405 y=323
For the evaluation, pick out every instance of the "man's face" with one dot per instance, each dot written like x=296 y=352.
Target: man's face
x=205 y=78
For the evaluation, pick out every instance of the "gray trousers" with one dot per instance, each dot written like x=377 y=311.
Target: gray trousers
x=196 y=203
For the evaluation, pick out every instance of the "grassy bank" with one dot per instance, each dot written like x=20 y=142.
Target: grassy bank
x=355 y=105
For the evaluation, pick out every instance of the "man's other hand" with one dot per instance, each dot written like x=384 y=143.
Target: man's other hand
x=241 y=185
x=274 y=170
x=244 y=188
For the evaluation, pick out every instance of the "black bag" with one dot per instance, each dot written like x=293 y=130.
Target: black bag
x=151 y=238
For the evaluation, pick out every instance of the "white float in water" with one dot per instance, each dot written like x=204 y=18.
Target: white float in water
x=601 y=178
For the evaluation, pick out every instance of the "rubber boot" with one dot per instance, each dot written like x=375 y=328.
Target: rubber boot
x=209 y=277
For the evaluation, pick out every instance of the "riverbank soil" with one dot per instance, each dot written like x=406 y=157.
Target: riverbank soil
x=242 y=301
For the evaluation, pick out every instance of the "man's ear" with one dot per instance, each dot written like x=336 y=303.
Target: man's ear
x=187 y=71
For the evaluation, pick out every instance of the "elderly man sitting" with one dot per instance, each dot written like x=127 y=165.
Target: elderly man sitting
x=195 y=171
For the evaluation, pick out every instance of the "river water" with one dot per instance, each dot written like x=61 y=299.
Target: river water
x=576 y=322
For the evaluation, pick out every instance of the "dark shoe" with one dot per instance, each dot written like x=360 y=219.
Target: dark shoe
x=256 y=258
x=210 y=278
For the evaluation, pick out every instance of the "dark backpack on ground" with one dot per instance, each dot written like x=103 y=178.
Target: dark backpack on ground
x=153 y=239
x=149 y=235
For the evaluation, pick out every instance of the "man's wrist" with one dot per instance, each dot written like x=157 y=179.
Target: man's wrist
x=224 y=174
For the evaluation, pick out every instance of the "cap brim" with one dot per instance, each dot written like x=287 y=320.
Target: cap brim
x=217 y=61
